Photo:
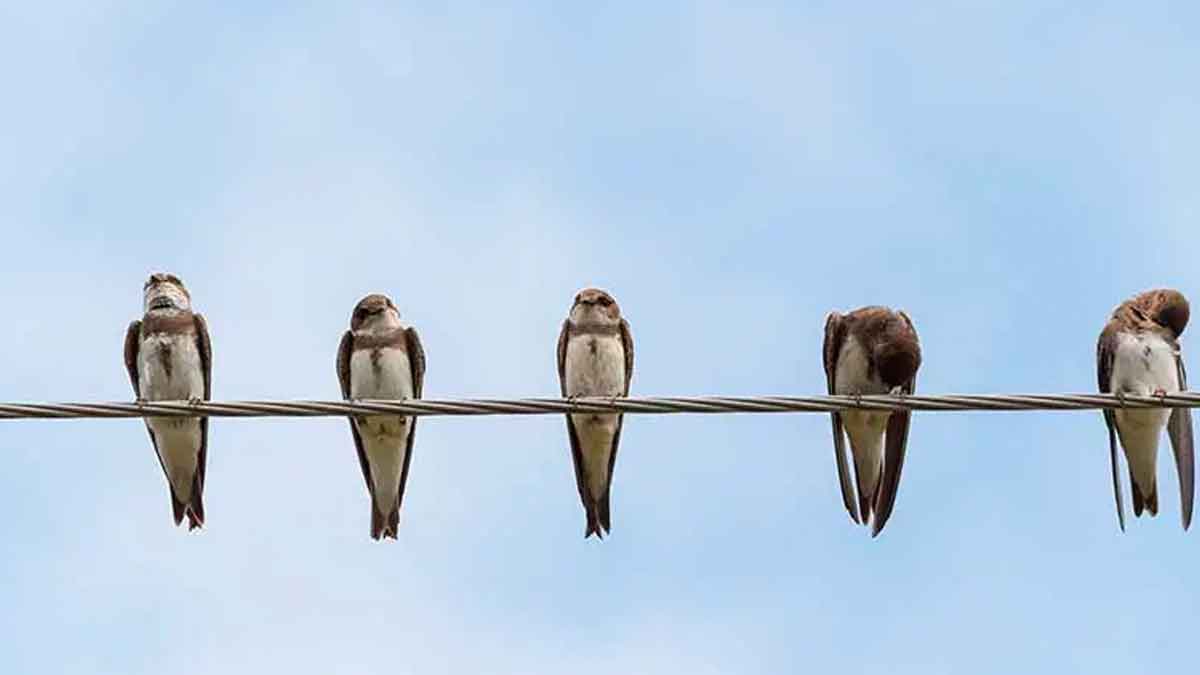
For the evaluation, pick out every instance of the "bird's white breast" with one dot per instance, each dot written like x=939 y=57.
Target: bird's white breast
x=595 y=366
x=854 y=371
x=169 y=368
x=387 y=375
x=1142 y=364
x=383 y=374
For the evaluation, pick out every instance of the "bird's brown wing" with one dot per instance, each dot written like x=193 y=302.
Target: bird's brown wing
x=345 y=349
x=835 y=335
x=563 y=336
x=894 y=449
x=1179 y=429
x=1106 y=349
x=204 y=349
x=133 y=343
x=627 y=344
x=416 y=362
x=895 y=445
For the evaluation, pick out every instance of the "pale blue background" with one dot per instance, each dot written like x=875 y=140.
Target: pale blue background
x=1006 y=172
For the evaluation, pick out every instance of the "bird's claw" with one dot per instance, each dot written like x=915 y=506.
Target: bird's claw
x=195 y=401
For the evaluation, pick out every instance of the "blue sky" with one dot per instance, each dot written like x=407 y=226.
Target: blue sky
x=1006 y=172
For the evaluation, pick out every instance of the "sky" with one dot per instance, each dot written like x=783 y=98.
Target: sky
x=1006 y=172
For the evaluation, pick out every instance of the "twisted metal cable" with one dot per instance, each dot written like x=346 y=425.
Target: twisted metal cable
x=558 y=406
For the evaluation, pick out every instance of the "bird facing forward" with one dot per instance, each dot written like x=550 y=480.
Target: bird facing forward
x=168 y=355
x=381 y=358
x=595 y=358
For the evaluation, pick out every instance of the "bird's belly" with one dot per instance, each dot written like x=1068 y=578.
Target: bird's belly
x=387 y=429
x=854 y=374
x=1142 y=365
x=385 y=455
x=595 y=433
x=595 y=366
x=169 y=368
x=178 y=442
x=383 y=375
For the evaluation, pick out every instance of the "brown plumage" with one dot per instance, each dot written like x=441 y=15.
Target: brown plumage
x=183 y=323
x=594 y=317
x=1142 y=333
x=385 y=518
x=871 y=350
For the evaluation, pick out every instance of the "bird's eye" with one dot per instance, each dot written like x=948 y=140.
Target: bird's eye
x=605 y=301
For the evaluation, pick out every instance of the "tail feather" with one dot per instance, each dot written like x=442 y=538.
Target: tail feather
x=864 y=505
x=603 y=514
x=382 y=527
x=194 y=510
x=595 y=524
x=178 y=508
x=1144 y=502
x=866 y=498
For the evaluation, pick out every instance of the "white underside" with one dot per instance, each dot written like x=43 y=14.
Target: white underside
x=598 y=374
x=384 y=437
x=1142 y=364
x=178 y=440
x=866 y=429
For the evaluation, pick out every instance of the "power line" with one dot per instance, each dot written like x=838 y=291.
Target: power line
x=558 y=406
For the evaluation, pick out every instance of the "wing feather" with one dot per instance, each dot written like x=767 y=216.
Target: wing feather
x=416 y=360
x=835 y=335
x=895 y=446
x=345 y=348
x=204 y=348
x=627 y=344
x=1105 y=353
x=1179 y=429
x=563 y=335
x=133 y=344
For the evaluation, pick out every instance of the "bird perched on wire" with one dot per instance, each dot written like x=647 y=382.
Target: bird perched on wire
x=381 y=358
x=169 y=358
x=1138 y=354
x=872 y=350
x=595 y=358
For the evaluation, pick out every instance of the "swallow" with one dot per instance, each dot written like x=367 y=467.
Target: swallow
x=168 y=355
x=1138 y=354
x=872 y=350
x=381 y=358
x=595 y=358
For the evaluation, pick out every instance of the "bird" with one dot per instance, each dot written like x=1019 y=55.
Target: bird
x=1138 y=354
x=382 y=358
x=871 y=350
x=168 y=355
x=595 y=358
